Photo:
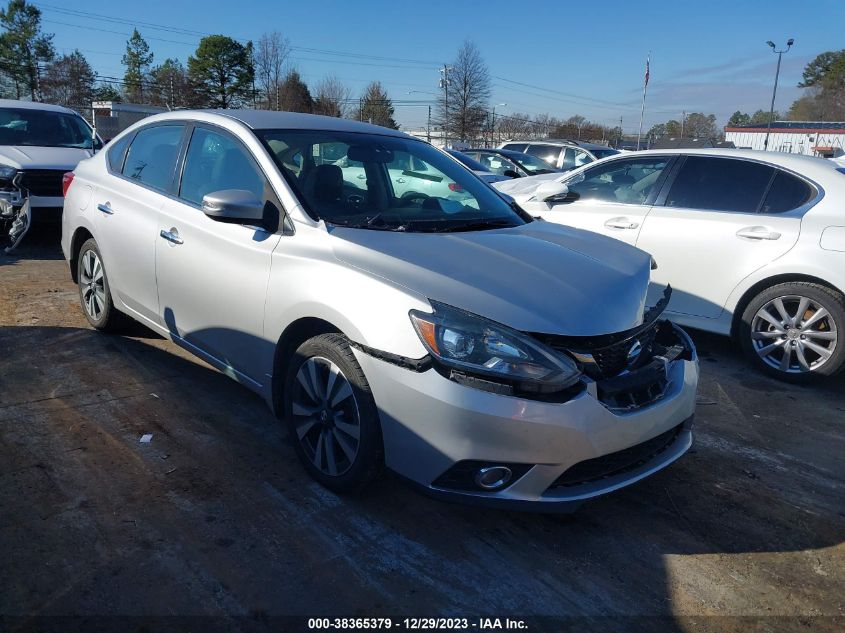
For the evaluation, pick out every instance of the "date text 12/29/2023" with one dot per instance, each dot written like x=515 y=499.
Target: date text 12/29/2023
x=417 y=624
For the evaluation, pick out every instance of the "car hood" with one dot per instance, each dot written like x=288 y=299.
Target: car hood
x=539 y=277
x=32 y=157
x=521 y=189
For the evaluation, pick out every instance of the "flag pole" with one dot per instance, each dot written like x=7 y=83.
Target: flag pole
x=642 y=109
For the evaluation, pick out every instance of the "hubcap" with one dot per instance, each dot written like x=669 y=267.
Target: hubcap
x=92 y=285
x=326 y=416
x=794 y=334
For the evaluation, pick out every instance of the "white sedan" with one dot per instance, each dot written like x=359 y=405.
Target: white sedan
x=752 y=243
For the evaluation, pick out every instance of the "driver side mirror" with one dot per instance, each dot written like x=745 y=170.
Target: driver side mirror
x=551 y=192
x=233 y=205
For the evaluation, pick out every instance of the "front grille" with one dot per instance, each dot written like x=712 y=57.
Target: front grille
x=43 y=182
x=613 y=359
x=617 y=463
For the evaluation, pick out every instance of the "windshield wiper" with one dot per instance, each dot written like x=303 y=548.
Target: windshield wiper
x=367 y=223
x=475 y=225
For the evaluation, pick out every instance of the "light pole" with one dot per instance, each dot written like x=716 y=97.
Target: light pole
x=493 y=122
x=789 y=44
x=444 y=84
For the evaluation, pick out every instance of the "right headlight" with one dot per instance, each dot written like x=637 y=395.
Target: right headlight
x=475 y=345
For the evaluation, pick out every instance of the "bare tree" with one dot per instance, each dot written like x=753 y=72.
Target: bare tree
x=69 y=81
x=468 y=84
x=271 y=54
x=332 y=98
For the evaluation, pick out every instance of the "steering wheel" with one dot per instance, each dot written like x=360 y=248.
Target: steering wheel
x=410 y=196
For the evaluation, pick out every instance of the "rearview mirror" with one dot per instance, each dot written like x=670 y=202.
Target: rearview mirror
x=510 y=173
x=551 y=191
x=370 y=154
x=233 y=205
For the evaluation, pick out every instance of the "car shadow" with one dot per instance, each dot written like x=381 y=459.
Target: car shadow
x=214 y=516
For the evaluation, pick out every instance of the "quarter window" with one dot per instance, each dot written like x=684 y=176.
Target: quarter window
x=628 y=181
x=720 y=184
x=152 y=156
x=216 y=162
x=116 y=152
x=786 y=193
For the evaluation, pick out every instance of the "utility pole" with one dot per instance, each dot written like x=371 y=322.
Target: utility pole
x=428 y=126
x=683 y=122
x=444 y=83
x=789 y=44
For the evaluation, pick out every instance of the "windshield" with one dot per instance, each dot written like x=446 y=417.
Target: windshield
x=43 y=128
x=466 y=160
x=376 y=182
x=603 y=153
x=531 y=164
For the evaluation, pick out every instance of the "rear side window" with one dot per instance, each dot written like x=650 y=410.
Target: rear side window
x=152 y=156
x=116 y=152
x=548 y=153
x=786 y=193
x=516 y=147
x=720 y=184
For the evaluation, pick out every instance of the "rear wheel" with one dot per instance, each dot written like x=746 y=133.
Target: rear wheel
x=94 y=292
x=331 y=414
x=792 y=331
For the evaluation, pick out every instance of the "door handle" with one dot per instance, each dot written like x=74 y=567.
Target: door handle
x=105 y=207
x=361 y=176
x=758 y=233
x=171 y=236
x=400 y=180
x=621 y=223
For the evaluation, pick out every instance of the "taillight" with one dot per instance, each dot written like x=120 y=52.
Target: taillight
x=453 y=186
x=67 y=178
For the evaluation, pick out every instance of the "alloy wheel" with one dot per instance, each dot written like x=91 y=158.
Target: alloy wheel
x=794 y=334
x=326 y=416
x=92 y=285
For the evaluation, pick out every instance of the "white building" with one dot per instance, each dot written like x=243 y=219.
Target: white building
x=812 y=138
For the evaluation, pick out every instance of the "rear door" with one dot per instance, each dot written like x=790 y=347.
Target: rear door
x=612 y=198
x=127 y=207
x=718 y=221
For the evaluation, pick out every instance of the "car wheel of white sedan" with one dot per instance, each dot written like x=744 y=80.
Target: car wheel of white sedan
x=94 y=293
x=331 y=414
x=792 y=330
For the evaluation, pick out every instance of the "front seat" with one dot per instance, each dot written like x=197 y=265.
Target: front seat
x=324 y=184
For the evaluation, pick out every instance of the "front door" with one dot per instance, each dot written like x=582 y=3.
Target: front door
x=212 y=276
x=612 y=198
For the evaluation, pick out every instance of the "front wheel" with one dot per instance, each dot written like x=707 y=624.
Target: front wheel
x=331 y=414
x=791 y=331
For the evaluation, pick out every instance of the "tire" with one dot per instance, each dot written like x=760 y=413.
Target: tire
x=781 y=333
x=94 y=293
x=323 y=429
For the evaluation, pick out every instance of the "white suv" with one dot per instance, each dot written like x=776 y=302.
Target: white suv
x=39 y=143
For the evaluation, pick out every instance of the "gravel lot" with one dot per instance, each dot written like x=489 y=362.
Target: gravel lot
x=215 y=516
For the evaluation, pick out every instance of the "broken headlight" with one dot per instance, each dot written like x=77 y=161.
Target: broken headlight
x=472 y=344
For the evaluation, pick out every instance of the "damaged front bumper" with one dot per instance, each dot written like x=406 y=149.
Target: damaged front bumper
x=15 y=218
x=612 y=432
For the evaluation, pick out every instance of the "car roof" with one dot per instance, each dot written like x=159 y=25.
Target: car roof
x=271 y=119
x=809 y=166
x=34 y=105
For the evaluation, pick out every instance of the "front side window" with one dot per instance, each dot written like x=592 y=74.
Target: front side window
x=45 y=128
x=629 y=181
x=151 y=159
x=720 y=184
x=786 y=193
x=532 y=164
x=216 y=162
x=496 y=163
x=385 y=183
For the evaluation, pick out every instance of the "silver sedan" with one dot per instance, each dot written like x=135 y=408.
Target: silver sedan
x=391 y=307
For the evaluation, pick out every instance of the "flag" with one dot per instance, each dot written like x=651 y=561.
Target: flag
x=646 y=69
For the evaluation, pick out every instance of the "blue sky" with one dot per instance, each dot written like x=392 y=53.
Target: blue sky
x=580 y=57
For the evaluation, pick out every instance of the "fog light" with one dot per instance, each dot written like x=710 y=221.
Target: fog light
x=492 y=477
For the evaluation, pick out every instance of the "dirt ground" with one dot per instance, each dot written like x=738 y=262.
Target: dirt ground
x=214 y=517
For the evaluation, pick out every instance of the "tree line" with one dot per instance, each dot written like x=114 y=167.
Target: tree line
x=226 y=73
